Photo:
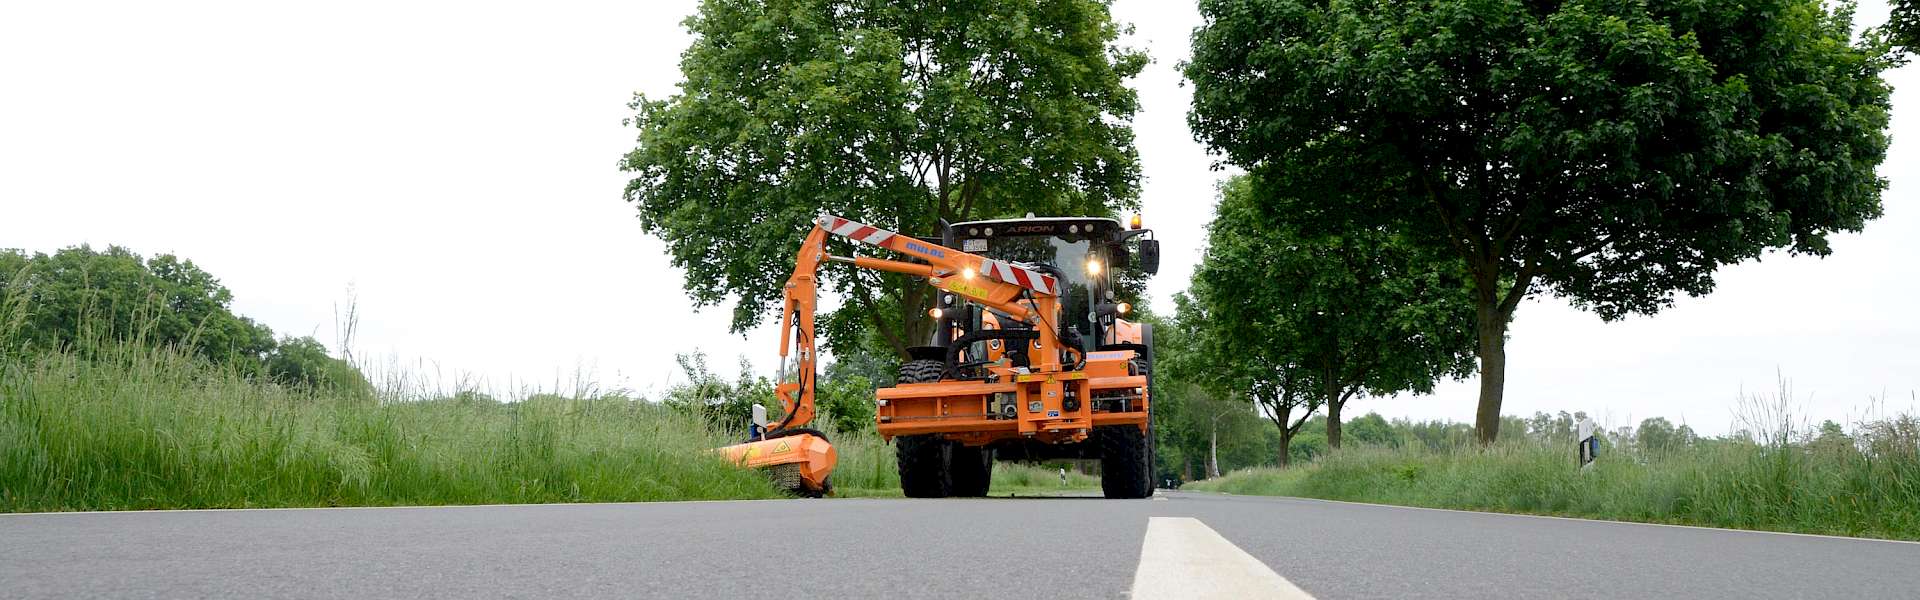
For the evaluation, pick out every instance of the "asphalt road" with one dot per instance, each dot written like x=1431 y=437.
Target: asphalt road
x=976 y=548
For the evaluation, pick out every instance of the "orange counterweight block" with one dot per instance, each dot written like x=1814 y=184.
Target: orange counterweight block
x=799 y=463
x=1058 y=407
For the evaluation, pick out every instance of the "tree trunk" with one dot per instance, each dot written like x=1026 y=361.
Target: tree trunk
x=1286 y=447
x=915 y=324
x=1492 y=329
x=1213 y=452
x=1333 y=417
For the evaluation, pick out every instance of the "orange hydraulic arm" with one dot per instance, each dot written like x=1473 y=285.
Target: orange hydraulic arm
x=1024 y=293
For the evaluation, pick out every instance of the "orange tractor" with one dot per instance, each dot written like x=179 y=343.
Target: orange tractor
x=1031 y=358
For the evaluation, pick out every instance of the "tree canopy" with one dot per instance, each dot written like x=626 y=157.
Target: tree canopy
x=1358 y=311
x=80 y=293
x=1608 y=152
x=304 y=362
x=1903 y=24
x=898 y=115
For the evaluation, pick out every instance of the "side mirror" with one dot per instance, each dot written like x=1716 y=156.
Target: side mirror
x=1150 y=256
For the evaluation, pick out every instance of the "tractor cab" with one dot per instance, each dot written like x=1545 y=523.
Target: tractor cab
x=1086 y=254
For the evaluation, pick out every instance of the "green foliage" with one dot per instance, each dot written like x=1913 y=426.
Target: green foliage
x=1343 y=312
x=1903 y=24
x=847 y=402
x=724 y=404
x=1611 y=153
x=303 y=362
x=845 y=392
x=1659 y=436
x=895 y=115
x=1372 y=429
x=79 y=294
x=124 y=426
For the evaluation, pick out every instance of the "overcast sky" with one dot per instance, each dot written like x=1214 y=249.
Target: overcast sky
x=452 y=166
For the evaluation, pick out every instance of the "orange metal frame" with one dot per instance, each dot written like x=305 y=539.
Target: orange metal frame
x=959 y=409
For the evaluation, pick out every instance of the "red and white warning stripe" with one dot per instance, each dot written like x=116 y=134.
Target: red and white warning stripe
x=855 y=230
x=1021 y=276
x=1000 y=270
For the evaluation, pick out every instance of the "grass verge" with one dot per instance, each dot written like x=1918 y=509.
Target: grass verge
x=1867 y=489
x=122 y=426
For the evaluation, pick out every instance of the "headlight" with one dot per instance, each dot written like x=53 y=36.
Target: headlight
x=1093 y=267
x=936 y=313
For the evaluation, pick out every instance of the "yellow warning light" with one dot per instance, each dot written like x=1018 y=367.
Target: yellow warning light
x=1135 y=223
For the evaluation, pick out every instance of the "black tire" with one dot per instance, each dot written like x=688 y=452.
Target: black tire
x=1123 y=462
x=971 y=470
x=1139 y=366
x=923 y=466
x=921 y=371
x=924 y=458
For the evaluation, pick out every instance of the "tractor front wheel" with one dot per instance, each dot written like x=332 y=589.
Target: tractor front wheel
x=971 y=470
x=923 y=465
x=1123 y=462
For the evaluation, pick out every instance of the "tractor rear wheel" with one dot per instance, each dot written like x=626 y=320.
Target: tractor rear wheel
x=921 y=371
x=1123 y=462
x=923 y=465
x=971 y=470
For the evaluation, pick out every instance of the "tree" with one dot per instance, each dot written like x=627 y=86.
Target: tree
x=1903 y=24
x=1830 y=438
x=1359 y=311
x=78 y=296
x=1229 y=346
x=304 y=362
x=1374 y=429
x=1209 y=413
x=897 y=115
x=1658 y=436
x=1610 y=153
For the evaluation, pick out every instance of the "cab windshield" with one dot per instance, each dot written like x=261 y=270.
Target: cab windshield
x=1079 y=289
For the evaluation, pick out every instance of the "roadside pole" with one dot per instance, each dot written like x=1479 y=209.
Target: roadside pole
x=1589 y=445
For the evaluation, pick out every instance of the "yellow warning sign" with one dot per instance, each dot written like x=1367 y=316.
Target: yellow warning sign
x=782 y=447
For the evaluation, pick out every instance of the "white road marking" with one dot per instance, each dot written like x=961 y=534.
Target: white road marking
x=1183 y=558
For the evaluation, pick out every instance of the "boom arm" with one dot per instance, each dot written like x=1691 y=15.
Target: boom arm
x=1024 y=293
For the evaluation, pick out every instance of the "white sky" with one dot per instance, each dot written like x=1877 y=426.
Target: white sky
x=453 y=164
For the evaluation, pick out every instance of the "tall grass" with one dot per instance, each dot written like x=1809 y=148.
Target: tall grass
x=1770 y=478
x=866 y=464
x=124 y=426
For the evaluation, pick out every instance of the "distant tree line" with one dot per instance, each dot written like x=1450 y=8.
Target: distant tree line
x=78 y=297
